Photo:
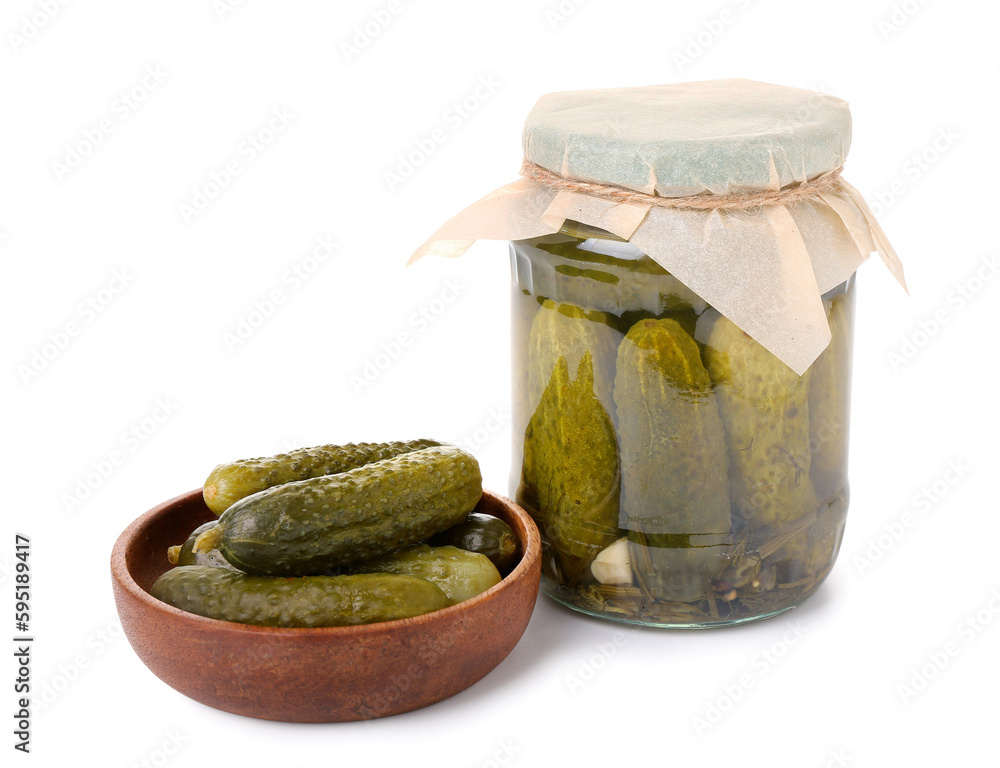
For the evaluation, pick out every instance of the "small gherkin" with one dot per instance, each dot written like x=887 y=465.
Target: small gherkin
x=311 y=526
x=458 y=573
x=765 y=409
x=830 y=402
x=231 y=482
x=484 y=534
x=571 y=465
x=673 y=449
x=307 y=601
x=564 y=331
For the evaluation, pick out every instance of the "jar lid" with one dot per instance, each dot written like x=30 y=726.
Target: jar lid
x=721 y=137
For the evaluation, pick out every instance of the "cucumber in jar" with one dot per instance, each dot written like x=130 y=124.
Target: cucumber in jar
x=765 y=410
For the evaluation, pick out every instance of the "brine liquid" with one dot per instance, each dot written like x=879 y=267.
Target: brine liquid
x=680 y=474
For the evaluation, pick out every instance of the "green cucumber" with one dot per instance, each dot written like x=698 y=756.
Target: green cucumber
x=571 y=468
x=236 y=480
x=311 y=526
x=568 y=332
x=673 y=446
x=765 y=410
x=459 y=574
x=484 y=534
x=830 y=403
x=310 y=601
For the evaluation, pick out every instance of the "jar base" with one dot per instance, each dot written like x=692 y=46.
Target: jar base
x=574 y=602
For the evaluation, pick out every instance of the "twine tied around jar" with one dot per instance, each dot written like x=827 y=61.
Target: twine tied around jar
x=742 y=202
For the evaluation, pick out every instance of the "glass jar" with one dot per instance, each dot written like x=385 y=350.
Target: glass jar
x=680 y=473
x=683 y=298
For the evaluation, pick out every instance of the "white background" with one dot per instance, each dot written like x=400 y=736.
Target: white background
x=921 y=78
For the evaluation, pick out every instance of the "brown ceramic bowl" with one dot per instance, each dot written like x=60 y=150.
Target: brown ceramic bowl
x=320 y=675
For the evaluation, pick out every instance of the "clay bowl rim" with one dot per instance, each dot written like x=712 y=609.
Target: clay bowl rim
x=531 y=553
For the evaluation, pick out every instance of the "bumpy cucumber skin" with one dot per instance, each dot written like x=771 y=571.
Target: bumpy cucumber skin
x=213 y=558
x=309 y=601
x=571 y=467
x=830 y=402
x=459 y=574
x=566 y=331
x=236 y=480
x=485 y=535
x=311 y=526
x=765 y=409
x=673 y=449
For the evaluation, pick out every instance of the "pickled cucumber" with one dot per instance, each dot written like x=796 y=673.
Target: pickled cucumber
x=678 y=570
x=812 y=552
x=228 y=483
x=308 y=601
x=571 y=467
x=673 y=449
x=765 y=409
x=566 y=331
x=184 y=554
x=607 y=275
x=459 y=574
x=830 y=402
x=484 y=534
x=825 y=534
x=310 y=526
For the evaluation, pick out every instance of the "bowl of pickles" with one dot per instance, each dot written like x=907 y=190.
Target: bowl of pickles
x=329 y=584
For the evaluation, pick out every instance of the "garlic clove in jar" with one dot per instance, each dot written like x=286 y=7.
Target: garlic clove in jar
x=613 y=565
